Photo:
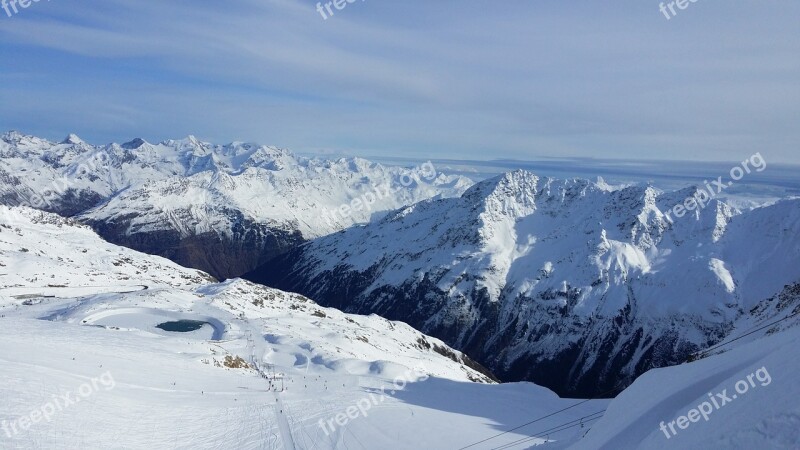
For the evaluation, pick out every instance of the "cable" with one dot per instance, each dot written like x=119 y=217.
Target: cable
x=622 y=382
x=545 y=417
x=524 y=424
x=555 y=429
x=703 y=352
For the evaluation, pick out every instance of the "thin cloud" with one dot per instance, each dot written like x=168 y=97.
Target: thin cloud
x=456 y=79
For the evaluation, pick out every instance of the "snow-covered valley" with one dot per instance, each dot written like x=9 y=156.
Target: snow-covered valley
x=399 y=225
x=201 y=389
x=568 y=283
x=84 y=365
x=572 y=284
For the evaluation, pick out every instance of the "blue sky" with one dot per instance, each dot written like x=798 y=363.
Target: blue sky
x=424 y=79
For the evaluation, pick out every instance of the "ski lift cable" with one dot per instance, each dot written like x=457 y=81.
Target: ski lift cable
x=555 y=429
x=546 y=416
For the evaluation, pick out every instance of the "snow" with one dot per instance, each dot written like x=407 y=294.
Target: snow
x=561 y=260
x=74 y=308
x=505 y=240
x=173 y=390
x=718 y=267
x=767 y=415
x=194 y=187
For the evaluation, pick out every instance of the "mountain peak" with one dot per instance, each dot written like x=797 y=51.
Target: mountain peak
x=72 y=139
x=514 y=184
x=10 y=134
x=134 y=144
x=13 y=136
x=512 y=193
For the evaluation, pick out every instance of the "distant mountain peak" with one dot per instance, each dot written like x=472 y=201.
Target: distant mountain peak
x=134 y=144
x=12 y=137
x=72 y=139
x=510 y=182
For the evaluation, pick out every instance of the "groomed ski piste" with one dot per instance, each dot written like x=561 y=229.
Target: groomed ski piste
x=87 y=362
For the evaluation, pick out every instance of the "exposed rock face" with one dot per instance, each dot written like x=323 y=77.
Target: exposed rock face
x=565 y=283
x=571 y=284
x=249 y=245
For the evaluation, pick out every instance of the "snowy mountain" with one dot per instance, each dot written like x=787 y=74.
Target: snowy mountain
x=568 y=283
x=225 y=209
x=744 y=398
x=50 y=261
x=85 y=365
x=73 y=306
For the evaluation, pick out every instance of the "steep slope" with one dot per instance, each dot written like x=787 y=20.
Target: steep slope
x=85 y=364
x=93 y=335
x=58 y=269
x=744 y=398
x=566 y=283
x=225 y=209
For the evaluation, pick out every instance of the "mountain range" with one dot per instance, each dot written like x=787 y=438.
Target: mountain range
x=224 y=209
x=571 y=284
